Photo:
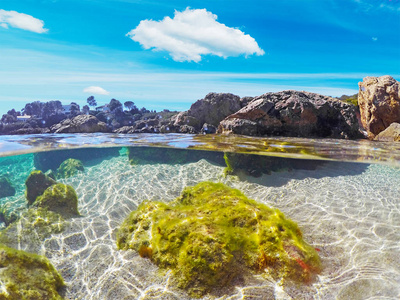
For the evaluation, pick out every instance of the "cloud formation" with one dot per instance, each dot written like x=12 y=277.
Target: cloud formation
x=96 y=90
x=193 y=33
x=10 y=18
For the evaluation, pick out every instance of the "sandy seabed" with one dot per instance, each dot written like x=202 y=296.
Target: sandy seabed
x=351 y=212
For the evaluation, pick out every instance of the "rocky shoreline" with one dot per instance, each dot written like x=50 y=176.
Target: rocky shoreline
x=288 y=113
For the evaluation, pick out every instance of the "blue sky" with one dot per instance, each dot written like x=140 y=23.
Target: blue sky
x=168 y=54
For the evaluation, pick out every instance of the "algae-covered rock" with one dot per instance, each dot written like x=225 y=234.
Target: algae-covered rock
x=28 y=276
x=59 y=198
x=213 y=234
x=6 y=188
x=36 y=183
x=69 y=167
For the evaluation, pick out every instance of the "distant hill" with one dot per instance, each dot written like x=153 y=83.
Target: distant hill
x=353 y=99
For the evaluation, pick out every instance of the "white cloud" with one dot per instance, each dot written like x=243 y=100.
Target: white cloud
x=96 y=90
x=22 y=21
x=374 y=38
x=193 y=33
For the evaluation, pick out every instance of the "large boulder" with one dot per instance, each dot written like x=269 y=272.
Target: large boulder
x=390 y=134
x=294 y=113
x=80 y=124
x=379 y=101
x=213 y=234
x=211 y=110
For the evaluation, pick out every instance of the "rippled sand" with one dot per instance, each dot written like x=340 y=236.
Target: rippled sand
x=351 y=212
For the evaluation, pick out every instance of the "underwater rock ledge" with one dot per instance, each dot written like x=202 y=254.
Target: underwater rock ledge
x=213 y=234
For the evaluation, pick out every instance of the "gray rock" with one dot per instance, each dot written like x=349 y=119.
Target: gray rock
x=80 y=124
x=379 y=101
x=211 y=110
x=294 y=113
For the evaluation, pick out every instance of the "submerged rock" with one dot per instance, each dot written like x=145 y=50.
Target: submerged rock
x=36 y=183
x=213 y=234
x=379 y=101
x=28 y=276
x=293 y=113
x=70 y=167
x=59 y=198
x=6 y=188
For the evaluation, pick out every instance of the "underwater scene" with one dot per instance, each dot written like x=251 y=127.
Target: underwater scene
x=106 y=216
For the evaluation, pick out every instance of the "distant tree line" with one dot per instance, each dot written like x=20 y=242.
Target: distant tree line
x=53 y=112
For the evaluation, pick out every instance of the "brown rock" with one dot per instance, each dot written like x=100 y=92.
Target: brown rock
x=390 y=134
x=293 y=113
x=379 y=101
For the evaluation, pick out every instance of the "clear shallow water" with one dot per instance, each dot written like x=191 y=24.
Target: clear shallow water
x=350 y=211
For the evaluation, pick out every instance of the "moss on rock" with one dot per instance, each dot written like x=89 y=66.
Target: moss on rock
x=36 y=183
x=212 y=234
x=28 y=276
x=69 y=167
x=59 y=198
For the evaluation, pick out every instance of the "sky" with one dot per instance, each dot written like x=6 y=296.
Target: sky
x=168 y=54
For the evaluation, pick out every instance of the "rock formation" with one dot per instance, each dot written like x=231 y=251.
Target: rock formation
x=379 y=101
x=213 y=234
x=390 y=134
x=293 y=113
x=80 y=124
x=211 y=110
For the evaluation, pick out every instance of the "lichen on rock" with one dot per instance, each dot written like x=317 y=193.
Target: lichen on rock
x=27 y=276
x=213 y=234
x=69 y=167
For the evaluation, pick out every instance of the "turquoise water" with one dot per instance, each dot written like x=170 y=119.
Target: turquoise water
x=345 y=198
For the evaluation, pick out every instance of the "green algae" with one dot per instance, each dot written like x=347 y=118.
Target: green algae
x=69 y=168
x=27 y=276
x=212 y=234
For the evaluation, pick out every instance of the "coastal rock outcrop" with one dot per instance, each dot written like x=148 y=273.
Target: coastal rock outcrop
x=379 y=101
x=390 y=134
x=211 y=110
x=80 y=124
x=294 y=113
x=213 y=234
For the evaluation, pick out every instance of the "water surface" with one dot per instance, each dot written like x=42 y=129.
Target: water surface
x=345 y=198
